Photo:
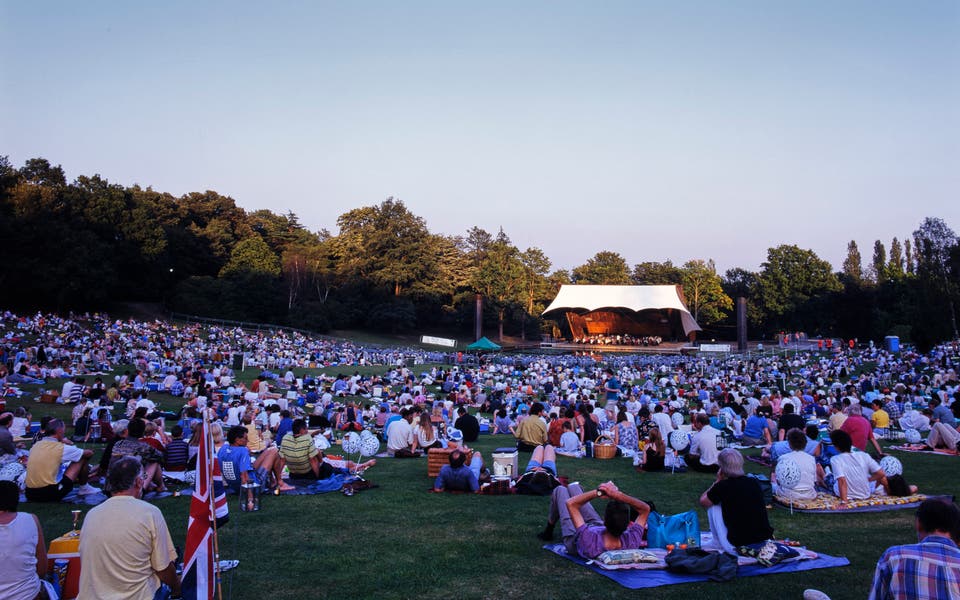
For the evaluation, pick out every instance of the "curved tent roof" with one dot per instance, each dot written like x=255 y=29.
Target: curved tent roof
x=588 y=298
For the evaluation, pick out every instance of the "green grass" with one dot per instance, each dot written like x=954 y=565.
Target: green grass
x=399 y=541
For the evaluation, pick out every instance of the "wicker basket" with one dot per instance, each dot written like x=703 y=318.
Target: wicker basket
x=604 y=450
x=437 y=457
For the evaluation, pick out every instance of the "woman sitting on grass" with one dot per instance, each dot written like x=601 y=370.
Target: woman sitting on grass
x=584 y=532
x=655 y=451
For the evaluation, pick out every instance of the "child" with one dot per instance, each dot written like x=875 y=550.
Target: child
x=569 y=442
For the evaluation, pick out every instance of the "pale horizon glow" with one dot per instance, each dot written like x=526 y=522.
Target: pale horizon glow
x=655 y=130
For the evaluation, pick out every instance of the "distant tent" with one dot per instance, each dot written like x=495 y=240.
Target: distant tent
x=638 y=310
x=483 y=344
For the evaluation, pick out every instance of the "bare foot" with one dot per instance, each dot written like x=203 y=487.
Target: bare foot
x=286 y=487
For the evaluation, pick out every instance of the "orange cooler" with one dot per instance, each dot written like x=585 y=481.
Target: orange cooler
x=67 y=546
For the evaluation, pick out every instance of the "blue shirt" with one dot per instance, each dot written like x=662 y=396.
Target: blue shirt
x=925 y=571
x=944 y=415
x=460 y=479
x=238 y=455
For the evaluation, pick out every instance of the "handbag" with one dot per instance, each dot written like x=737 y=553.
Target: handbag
x=683 y=528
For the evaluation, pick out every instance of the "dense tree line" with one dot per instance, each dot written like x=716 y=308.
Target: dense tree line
x=89 y=243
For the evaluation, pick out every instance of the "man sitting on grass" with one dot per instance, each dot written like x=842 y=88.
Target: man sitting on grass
x=856 y=474
x=928 y=569
x=43 y=467
x=305 y=461
x=457 y=476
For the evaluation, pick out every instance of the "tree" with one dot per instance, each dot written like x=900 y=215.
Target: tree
x=252 y=257
x=499 y=276
x=792 y=286
x=605 y=268
x=934 y=243
x=38 y=171
x=853 y=264
x=703 y=291
x=895 y=268
x=535 y=266
x=879 y=266
x=657 y=273
x=384 y=244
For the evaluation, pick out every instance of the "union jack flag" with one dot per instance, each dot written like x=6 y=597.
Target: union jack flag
x=209 y=503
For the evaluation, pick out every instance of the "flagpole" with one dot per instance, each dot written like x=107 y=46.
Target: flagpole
x=213 y=502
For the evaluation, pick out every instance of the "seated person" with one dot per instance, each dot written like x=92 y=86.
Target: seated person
x=859 y=429
x=810 y=471
x=703 y=452
x=468 y=424
x=401 y=437
x=569 y=441
x=789 y=419
x=735 y=506
x=25 y=554
x=43 y=467
x=134 y=445
x=654 y=453
x=929 y=569
x=457 y=476
x=502 y=424
x=177 y=452
x=305 y=461
x=531 y=432
x=756 y=431
x=856 y=474
x=811 y=445
x=584 y=532
x=943 y=436
x=258 y=472
x=7 y=448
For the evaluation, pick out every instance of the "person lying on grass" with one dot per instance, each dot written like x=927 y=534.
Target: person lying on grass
x=584 y=532
x=458 y=476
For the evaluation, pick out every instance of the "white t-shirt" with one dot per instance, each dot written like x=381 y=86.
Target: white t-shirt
x=704 y=444
x=856 y=467
x=569 y=442
x=804 y=490
x=663 y=422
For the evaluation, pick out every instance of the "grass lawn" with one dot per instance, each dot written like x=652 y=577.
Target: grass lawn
x=399 y=541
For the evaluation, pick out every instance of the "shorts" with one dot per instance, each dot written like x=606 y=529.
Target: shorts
x=50 y=493
x=549 y=465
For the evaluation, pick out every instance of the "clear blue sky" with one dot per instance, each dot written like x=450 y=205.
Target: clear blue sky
x=659 y=130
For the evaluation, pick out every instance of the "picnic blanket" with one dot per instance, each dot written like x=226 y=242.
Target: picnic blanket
x=308 y=487
x=656 y=575
x=919 y=448
x=828 y=503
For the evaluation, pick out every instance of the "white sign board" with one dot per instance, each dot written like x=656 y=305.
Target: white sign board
x=714 y=347
x=438 y=341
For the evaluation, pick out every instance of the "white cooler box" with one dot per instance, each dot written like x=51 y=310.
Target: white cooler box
x=505 y=463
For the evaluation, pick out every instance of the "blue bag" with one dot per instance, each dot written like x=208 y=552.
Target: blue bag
x=683 y=528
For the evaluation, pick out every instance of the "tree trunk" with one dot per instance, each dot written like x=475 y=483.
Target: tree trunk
x=500 y=324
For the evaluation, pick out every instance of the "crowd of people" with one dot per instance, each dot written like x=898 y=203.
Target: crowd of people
x=620 y=339
x=823 y=411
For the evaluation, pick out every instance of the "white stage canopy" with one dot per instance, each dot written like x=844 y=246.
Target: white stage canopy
x=588 y=298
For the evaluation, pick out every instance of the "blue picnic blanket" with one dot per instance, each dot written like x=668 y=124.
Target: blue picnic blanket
x=636 y=579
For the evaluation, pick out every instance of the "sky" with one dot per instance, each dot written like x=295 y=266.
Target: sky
x=658 y=130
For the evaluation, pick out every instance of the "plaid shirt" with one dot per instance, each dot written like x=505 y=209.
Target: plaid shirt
x=894 y=409
x=929 y=570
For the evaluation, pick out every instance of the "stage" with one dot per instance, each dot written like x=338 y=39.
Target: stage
x=662 y=348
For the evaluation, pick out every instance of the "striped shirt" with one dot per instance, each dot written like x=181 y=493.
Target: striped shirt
x=297 y=451
x=929 y=570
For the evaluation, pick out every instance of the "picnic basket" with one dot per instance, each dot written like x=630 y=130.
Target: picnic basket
x=604 y=448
